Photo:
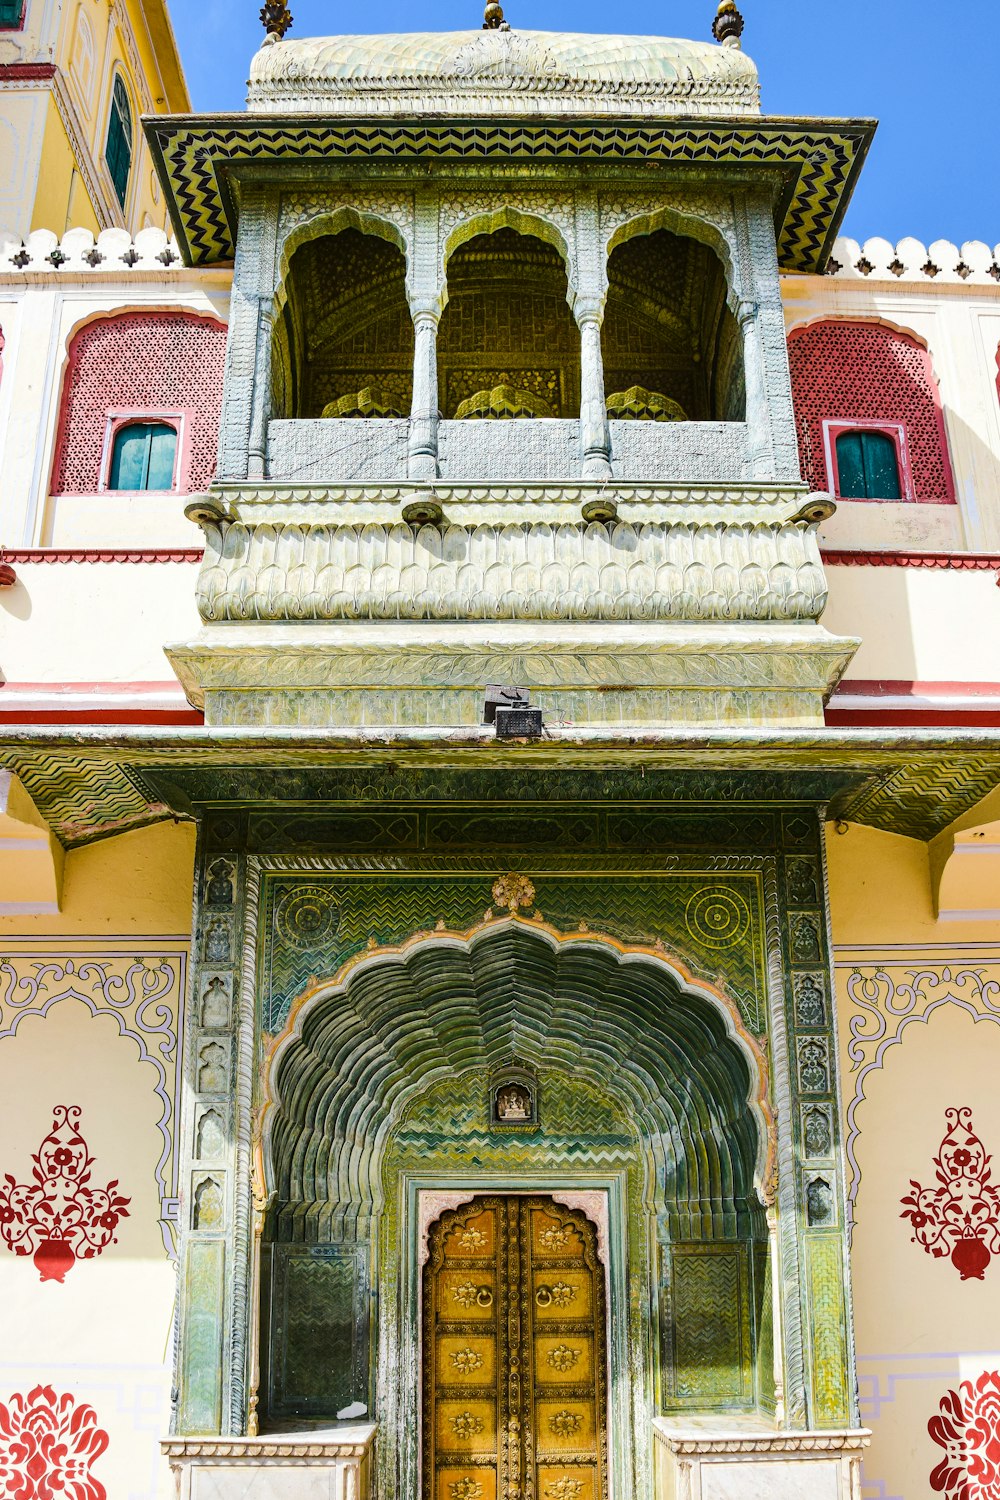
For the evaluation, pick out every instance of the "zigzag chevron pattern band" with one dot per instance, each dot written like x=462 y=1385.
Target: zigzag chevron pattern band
x=818 y=162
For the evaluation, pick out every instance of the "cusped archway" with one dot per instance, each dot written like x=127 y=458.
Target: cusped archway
x=648 y=1088
x=357 y=1051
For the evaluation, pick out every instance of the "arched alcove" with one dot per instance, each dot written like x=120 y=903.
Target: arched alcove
x=508 y=345
x=343 y=336
x=649 y=1091
x=672 y=347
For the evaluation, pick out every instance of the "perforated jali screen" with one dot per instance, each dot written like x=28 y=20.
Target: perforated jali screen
x=849 y=372
x=147 y=362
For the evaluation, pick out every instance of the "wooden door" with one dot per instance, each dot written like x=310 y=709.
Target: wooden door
x=514 y=1362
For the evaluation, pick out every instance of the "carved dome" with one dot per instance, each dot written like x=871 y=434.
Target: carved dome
x=502 y=72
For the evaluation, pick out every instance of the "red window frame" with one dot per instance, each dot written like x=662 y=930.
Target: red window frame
x=835 y=427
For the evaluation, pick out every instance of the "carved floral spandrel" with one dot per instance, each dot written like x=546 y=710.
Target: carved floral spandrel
x=967 y=1427
x=48 y=1447
x=959 y=1217
x=58 y=1217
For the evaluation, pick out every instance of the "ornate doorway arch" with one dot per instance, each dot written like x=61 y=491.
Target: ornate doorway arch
x=649 y=1091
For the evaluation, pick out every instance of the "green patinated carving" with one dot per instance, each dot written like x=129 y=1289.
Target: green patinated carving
x=201 y=1370
x=827 y=1330
x=318 y=1333
x=705 y=1327
x=713 y=921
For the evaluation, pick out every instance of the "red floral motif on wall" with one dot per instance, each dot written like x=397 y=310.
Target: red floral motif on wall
x=967 y=1427
x=961 y=1216
x=139 y=361
x=865 y=372
x=58 y=1217
x=48 y=1445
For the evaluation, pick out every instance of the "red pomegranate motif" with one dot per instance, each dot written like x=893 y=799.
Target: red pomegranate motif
x=58 y=1217
x=960 y=1217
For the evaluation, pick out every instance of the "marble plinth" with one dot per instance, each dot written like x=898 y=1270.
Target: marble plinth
x=749 y=1461
x=334 y=1464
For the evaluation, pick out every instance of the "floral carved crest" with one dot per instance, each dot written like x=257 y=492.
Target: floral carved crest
x=48 y=1445
x=960 y=1217
x=967 y=1427
x=58 y=1217
x=511 y=892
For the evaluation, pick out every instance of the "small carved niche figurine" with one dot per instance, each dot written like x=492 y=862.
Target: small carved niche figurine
x=513 y=1104
x=218 y=946
x=212 y=1069
x=220 y=883
x=215 y=1005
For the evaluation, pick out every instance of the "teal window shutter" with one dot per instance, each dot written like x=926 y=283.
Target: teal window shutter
x=118 y=151
x=867 y=466
x=11 y=14
x=143 y=457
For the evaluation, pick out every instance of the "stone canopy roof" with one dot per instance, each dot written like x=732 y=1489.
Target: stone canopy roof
x=477 y=72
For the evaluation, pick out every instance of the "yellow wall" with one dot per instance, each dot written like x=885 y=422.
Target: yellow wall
x=62 y=200
x=919 y=1025
x=90 y=49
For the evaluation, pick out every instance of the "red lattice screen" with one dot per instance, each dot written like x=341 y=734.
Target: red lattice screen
x=155 y=361
x=864 y=372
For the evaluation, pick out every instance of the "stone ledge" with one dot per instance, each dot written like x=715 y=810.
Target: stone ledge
x=322 y=1446
x=680 y=1438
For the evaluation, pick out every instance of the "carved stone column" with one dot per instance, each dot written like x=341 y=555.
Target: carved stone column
x=246 y=389
x=594 y=431
x=423 y=448
x=773 y=446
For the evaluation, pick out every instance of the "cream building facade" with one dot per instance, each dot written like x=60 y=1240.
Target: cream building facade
x=687 y=1005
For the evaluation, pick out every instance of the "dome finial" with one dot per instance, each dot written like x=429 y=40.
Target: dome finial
x=493 y=19
x=275 y=17
x=727 y=27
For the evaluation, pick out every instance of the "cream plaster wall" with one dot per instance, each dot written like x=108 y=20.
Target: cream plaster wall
x=91 y=1006
x=65 y=623
x=918 y=624
x=919 y=1026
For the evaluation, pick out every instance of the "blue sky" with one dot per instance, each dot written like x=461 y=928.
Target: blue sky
x=927 y=72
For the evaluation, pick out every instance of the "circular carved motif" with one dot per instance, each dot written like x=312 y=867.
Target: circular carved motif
x=718 y=918
x=306 y=917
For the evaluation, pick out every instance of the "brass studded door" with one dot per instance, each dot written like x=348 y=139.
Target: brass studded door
x=514 y=1362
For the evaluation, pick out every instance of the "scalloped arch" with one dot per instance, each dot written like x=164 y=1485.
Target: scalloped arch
x=359 y=1048
x=331 y=223
x=687 y=226
x=522 y=222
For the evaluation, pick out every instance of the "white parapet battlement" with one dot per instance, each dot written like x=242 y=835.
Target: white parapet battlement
x=911 y=260
x=78 y=253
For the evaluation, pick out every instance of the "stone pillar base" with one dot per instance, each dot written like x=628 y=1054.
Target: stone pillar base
x=743 y=1460
x=334 y=1464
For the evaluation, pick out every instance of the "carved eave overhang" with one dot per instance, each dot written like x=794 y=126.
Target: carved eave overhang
x=91 y=784
x=810 y=165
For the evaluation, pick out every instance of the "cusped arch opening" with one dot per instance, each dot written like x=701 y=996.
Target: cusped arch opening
x=343 y=335
x=673 y=348
x=672 y=1052
x=639 y=1075
x=508 y=345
